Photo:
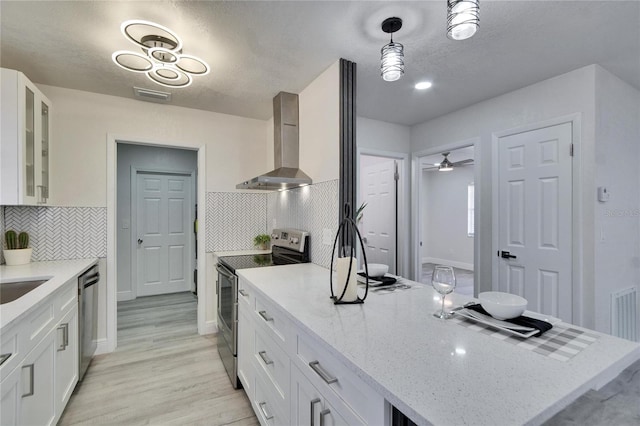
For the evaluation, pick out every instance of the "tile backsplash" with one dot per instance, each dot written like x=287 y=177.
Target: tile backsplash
x=58 y=233
x=233 y=220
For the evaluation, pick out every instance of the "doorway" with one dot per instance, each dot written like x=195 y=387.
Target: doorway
x=446 y=200
x=154 y=156
x=382 y=187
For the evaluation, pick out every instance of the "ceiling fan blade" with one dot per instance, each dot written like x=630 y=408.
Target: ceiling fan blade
x=463 y=162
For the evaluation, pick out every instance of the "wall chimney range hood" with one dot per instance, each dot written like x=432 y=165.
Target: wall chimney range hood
x=286 y=145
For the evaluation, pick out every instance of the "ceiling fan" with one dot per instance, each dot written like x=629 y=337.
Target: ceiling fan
x=445 y=165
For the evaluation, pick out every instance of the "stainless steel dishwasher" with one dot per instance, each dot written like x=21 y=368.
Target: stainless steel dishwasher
x=88 y=317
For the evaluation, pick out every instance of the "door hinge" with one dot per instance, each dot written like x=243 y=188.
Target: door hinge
x=396 y=175
x=571 y=150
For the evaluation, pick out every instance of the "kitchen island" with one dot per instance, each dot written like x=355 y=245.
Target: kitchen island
x=435 y=371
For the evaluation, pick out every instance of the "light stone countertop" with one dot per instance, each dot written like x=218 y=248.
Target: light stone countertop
x=59 y=272
x=437 y=371
x=240 y=252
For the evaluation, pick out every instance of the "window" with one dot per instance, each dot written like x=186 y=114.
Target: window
x=470 y=211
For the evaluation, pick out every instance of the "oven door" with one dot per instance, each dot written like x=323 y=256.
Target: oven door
x=228 y=306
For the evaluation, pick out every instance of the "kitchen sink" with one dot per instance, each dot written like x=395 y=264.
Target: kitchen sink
x=12 y=290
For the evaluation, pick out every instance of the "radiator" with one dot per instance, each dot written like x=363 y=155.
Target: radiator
x=624 y=313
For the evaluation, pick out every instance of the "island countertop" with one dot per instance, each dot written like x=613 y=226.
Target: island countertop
x=58 y=272
x=436 y=371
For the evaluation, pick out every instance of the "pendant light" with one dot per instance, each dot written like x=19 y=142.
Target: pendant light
x=463 y=18
x=392 y=54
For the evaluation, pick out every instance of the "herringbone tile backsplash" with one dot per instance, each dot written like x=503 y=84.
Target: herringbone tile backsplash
x=58 y=233
x=233 y=220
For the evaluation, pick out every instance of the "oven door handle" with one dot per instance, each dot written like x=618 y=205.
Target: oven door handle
x=224 y=271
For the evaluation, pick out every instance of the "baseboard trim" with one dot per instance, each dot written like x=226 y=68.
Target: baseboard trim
x=126 y=295
x=103 y=347
x=455 y=264
x=210 y=327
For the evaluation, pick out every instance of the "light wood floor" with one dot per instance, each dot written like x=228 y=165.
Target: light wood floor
x=163 y=373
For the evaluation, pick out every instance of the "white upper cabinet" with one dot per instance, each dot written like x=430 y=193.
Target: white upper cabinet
x=25 y=143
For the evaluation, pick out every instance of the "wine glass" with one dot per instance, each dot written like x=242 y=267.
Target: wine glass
x=443 y=281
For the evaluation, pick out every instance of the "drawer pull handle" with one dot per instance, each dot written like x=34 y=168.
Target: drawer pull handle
x=265 y=358
x=315 y=366
x=323 y=413
x=265 y=413
x=243 y=292
x=31 y=380
x=313 y=414
x=264 y=316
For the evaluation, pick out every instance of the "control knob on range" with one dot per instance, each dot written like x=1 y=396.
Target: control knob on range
x=294 y=240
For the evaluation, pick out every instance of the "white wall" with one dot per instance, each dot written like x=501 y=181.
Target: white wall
x=320 y=126
x=445 y=239
x=142 y=157
x=236 y=146
x=382 y=136
x=617 y=222
x=565 y=94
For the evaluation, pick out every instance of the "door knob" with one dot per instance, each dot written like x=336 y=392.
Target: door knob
x=140 y=241
x=506 y=255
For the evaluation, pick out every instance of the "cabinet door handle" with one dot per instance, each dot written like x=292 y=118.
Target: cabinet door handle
x=243 y=292
x=323 y=413
x=265 y=358
x=31 y=380
x=264 y=316
x=263 y=408
x=313 y=413
x=65 y=336
x=315 y=366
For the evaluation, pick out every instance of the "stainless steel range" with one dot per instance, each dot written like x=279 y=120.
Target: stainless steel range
x=288 y=246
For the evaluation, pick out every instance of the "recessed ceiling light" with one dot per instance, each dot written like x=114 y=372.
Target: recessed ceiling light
x=423 y=85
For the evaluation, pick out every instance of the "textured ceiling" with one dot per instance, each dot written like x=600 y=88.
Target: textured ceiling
x=256 y=49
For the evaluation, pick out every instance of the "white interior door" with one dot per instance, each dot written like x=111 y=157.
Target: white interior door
x=164 y=233
x=534 y=218
x=378 y=225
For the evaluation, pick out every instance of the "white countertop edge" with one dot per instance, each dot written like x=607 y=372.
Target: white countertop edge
x=239 y=252
x=60 y=271
x=595 y=382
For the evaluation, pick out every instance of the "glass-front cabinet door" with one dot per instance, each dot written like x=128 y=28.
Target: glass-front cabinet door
x=44 y=166
x=29 y=143
x=25 y=164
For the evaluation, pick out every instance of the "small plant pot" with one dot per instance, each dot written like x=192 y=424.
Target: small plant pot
x=17 y=257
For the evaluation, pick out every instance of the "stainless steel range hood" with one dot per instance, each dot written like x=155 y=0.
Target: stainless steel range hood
x=286 y=145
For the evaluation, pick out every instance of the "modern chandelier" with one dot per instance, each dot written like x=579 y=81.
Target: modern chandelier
x=463 y=18
x=392 y=60
x=161 y=59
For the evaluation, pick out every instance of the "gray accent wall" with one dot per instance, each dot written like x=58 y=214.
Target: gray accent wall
x=147 y=158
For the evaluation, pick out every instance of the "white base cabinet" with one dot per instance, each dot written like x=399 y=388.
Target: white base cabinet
x=41 y=370
x=289 y=378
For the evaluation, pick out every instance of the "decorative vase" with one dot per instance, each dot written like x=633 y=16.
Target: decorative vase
x=17 y=257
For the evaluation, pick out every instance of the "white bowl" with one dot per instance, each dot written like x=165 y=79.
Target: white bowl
x=377 y=269
x=502 y=305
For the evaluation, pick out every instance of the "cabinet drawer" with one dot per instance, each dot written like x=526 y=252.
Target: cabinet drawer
x=12 y=349
x=331 y=375
x=269 y=358
x=272 y=321
x=245 y=294
x=269 y=409
x=66 y=298
x=39 y=323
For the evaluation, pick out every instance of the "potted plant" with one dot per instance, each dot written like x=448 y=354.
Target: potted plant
x=262 y=241
x=17 y=250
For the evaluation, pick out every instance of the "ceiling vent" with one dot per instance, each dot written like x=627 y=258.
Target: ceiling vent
x=151 y=95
